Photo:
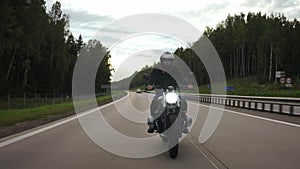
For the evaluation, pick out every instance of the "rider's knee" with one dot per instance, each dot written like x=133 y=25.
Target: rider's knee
x=183 y=105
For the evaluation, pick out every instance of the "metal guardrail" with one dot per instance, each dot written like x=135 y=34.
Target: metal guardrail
x=290 y=106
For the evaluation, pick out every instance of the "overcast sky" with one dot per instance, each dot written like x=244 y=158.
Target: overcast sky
x=88 y=17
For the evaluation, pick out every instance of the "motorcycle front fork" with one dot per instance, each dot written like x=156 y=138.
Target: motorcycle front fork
x=186 y=122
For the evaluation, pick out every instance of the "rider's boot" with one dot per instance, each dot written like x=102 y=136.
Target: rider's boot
x=151 y=128
x=186 y=123
x=185 y=130
x=151 y=124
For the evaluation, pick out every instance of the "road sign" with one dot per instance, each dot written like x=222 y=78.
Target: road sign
x=229 y=88
x=288 y=80
x=279 y=74
x=288 y=85
x=282 y=80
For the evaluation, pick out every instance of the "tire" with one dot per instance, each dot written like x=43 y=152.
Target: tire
x=173 y=152
x=173 y=139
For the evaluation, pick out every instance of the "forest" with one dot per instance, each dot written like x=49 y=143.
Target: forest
x=254 y=45
x=38 y=51
x=249 y=45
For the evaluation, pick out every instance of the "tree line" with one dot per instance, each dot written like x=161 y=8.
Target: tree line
x=37 y=49
x=253 y=45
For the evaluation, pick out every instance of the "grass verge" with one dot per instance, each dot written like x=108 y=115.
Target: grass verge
x=251 y=87
x=13 y=116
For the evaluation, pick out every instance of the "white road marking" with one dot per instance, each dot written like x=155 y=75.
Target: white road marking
x=203 y=154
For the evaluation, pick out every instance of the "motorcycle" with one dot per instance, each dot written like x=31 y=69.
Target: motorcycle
x=169 y=120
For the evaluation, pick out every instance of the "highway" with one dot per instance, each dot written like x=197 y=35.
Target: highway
x=241 y=141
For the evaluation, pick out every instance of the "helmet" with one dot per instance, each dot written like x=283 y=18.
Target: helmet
x=167 y=55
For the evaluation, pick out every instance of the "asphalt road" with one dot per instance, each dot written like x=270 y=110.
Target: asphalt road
x=240 y=141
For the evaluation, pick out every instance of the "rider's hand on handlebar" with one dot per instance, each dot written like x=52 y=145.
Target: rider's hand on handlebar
x=149 y=87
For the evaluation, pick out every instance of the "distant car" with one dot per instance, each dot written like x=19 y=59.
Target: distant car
x=138 y=91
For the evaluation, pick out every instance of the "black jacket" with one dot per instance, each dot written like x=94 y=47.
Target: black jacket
x=163 y=79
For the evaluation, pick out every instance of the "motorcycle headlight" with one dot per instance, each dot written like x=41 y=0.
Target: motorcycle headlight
x=171 y=98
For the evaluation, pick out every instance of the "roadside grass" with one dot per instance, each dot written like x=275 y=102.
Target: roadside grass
x=13 y=116
x=19 y=103
x=10 y=117
x=251 y=87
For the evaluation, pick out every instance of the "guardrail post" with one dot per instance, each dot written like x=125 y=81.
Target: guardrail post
x=243 y=103
x=280 y=108
x=255 y=105
x=291 y=110
x=271 y=107
x=263 y=107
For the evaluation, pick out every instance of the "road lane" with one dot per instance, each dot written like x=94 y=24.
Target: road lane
x=67 y=146
x=240 y=141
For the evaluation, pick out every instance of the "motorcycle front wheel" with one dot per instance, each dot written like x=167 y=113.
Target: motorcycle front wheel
x=173 y=152
x=173 y=138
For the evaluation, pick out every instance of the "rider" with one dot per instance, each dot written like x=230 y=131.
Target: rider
x=163 y=76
